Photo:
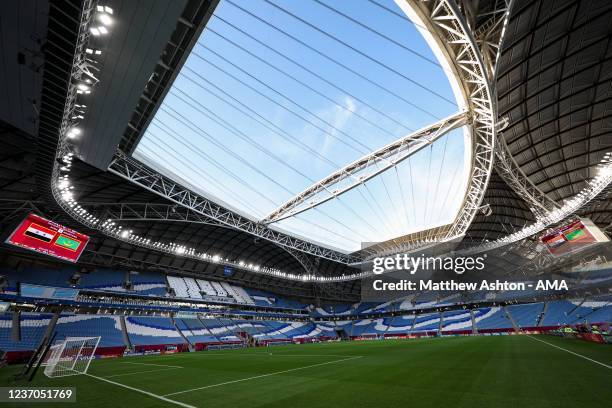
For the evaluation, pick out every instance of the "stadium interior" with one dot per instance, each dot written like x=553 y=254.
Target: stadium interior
x=204 y=186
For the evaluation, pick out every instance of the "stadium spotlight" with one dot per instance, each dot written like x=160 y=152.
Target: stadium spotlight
x=93 y=51
x=605 y=171
x=105 y=9
x=72 y=133
x=105 y=19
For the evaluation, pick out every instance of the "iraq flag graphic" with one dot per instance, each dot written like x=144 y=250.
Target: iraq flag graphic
x=38 y=232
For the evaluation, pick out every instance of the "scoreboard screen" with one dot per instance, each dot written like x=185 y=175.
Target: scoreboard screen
x=50 y=238
x=573 y=237
x=228 y=271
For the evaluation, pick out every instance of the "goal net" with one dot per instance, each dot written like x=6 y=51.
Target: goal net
x=71 y=356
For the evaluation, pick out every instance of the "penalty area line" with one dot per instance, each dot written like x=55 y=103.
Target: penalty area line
x=150 y=394
x=261 y=376
x=150 y=364
x=142 y=372
x=571 y=352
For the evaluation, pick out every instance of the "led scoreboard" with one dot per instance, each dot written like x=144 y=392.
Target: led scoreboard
x=47 y=237
x=572 y=237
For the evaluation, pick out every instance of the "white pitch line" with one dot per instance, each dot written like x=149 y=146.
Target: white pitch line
x=263 y=354
x=262 y=376
x=150 y=364
x=571 y=352
x=150 y=394
x=305 y=355
x=142 y=372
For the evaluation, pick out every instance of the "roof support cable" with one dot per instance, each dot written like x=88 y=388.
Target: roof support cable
x=197 y=106
x=347 y=68
x=216 y=163
x=352 y=111
x=259 y=118
x=202 y=133
x=369 y=57
x=318 y=76
x=285 y=97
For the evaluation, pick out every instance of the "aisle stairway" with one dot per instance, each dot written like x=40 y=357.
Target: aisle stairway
x=514 y=325
x=126 y=337
x=542 y=315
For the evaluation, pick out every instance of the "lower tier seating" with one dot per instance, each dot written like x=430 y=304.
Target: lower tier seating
x=152 y=330
x=107 y=327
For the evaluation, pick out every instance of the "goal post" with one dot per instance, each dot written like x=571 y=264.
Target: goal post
x=71 y=356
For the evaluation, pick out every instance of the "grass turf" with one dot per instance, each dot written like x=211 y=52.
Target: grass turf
x=500 y=371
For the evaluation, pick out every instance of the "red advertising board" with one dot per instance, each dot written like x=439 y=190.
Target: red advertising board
x=48 y=237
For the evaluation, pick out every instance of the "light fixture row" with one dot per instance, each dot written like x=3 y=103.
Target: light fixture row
x=100 y=26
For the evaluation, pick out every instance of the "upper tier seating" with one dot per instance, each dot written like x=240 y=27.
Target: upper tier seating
x=244 y=295
x=261 y=298
x=148 y=283
x=193 y=290
x=597 y=277
x=103 y=279
x=178 y=284
x=333 y=309
x=206 y=287
x=37 y=276
x=238 y=293
x=218 y=288
x=230 y=291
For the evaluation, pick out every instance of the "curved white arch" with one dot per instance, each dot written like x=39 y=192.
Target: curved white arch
x=445 y=29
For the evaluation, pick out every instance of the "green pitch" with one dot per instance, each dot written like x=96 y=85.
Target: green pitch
x=508 y=371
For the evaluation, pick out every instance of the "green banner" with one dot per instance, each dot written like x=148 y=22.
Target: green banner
x=68 y=242
x=574 y=234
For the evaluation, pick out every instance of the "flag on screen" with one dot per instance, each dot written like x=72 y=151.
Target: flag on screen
x=66 y=242
x=555 y=241
x=36 y=231
x=575 y=234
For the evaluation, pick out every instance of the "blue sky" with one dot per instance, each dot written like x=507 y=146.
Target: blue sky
x=239 y=129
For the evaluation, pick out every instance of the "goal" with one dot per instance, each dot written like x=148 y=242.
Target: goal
x=71 y=356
